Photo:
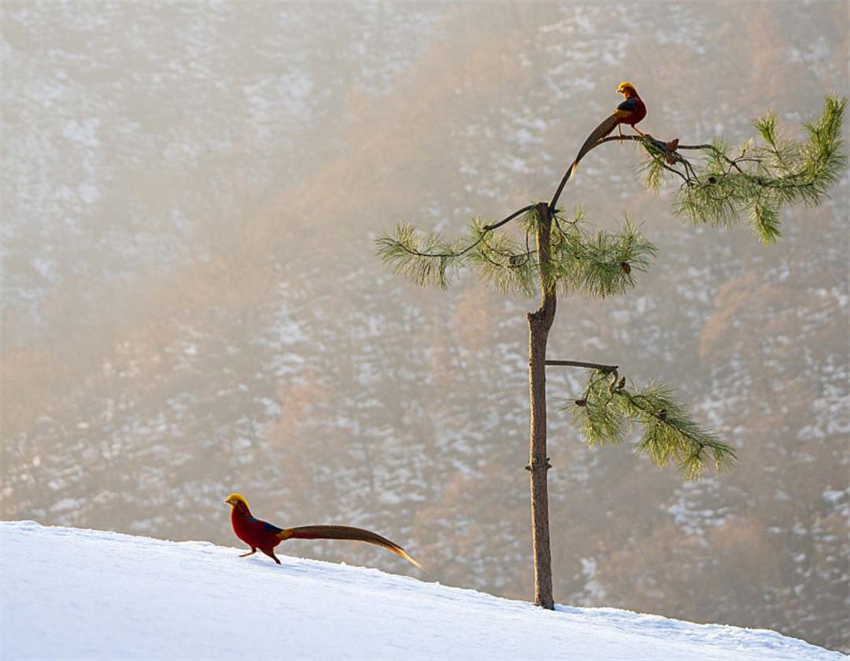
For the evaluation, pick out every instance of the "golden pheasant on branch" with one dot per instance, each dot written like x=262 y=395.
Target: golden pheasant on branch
x=630 y=111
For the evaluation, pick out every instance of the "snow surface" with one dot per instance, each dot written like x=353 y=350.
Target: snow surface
x=83 y=594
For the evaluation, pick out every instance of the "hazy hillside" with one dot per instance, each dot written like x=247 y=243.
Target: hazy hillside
x=192 y=305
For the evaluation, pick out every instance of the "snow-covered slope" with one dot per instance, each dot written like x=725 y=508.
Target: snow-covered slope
x=81 y=594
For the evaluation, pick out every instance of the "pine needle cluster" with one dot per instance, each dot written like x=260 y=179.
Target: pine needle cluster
x=595 y=263
x=610 y=409
x=759 y=178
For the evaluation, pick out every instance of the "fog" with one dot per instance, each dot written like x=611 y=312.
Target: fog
x=192 y=304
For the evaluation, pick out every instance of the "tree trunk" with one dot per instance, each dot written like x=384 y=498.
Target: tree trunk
x=539 y=323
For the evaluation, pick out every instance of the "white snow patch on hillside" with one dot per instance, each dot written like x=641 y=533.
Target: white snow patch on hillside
x=83 y=594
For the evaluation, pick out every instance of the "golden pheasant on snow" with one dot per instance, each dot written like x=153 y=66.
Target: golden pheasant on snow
x=264 y=536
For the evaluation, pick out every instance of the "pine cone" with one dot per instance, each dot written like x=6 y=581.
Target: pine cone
x=671 y=146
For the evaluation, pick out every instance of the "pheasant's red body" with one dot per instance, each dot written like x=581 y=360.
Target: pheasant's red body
x=632 y=110
x=255 y=533
x=264 y=536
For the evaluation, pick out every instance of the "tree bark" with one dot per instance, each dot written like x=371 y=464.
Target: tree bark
x=539 y=323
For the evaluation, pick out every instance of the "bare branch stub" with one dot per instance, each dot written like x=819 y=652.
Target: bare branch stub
x=580 y=363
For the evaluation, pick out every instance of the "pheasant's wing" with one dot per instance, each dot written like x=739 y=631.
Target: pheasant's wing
x=626 y=108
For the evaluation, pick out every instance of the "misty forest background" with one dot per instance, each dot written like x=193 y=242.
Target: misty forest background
x=192 y=305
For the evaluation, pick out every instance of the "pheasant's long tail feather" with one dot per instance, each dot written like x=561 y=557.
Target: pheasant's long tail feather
x=346 y=532
x=599 y=132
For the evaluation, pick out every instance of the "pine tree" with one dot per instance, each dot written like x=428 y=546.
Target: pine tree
x=558 y=253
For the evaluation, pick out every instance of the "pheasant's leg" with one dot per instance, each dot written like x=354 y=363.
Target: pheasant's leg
x=251 y=552
x=271 y=554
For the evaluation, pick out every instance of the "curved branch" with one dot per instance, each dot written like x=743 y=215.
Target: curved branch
x=563 y=183
x=505 y=221
x=611 y=138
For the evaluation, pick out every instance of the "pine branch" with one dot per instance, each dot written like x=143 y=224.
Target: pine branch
x=598 y=264
x=426 y=258
x=668 y=432
x=757 y=182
